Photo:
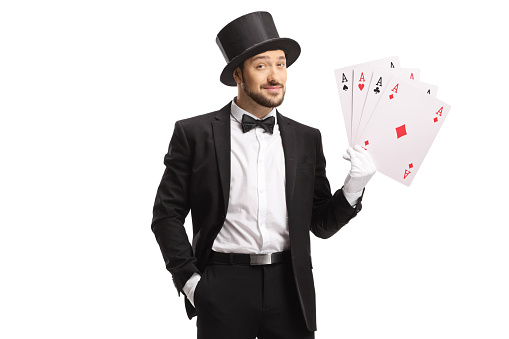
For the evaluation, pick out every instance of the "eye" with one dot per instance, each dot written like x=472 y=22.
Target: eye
x=260 y=66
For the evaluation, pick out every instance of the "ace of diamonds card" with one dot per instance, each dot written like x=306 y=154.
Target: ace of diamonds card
x=402 y=128
x=376 y=88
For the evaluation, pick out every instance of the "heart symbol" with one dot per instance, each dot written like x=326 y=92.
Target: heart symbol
x=361 y=86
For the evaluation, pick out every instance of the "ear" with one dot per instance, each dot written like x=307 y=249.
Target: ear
x=237 y=75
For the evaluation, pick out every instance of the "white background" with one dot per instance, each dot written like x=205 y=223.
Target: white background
x=89 y=94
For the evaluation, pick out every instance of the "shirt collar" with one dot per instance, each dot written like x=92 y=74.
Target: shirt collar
x=237 y=113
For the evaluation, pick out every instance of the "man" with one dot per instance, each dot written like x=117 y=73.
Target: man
x=256 y=185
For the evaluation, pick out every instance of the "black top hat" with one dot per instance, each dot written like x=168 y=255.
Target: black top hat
x=249 y=35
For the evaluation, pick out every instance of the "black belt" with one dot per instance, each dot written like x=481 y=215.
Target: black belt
x=249 y=259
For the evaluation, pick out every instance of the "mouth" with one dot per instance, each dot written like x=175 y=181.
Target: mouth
x=272 y=89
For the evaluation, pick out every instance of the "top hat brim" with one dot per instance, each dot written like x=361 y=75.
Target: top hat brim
x=289 y=46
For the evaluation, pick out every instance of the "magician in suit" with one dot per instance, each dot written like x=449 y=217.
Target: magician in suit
x=254 y=181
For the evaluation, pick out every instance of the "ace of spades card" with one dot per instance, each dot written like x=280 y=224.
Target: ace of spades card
x=402 y=128
x=344 y=80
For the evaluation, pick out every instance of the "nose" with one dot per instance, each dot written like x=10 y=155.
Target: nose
x=271 y=77
x=274 y=75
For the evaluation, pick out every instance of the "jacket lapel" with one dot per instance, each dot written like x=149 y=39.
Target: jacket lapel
x=288 y=139
x=222 y=142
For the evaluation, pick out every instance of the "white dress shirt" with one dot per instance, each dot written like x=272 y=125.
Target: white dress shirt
x=256 y=219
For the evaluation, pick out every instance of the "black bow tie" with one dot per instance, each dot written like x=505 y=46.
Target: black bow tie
x=249 y=123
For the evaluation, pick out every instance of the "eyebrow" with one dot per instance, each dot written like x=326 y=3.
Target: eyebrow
x=266 y=57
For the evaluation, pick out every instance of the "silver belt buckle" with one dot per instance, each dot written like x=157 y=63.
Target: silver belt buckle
x=260 y=259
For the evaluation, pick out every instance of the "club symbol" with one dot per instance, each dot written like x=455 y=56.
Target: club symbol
x=345 y=88
x=376 y=90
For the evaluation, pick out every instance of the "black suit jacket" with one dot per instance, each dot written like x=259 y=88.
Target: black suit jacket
x=197 y=178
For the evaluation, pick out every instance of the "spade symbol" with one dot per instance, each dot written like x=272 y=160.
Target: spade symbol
x=376 y=90
x=345 y=88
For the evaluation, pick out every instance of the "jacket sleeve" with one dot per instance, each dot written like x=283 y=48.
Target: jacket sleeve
x=172 y=204
x=330 y=212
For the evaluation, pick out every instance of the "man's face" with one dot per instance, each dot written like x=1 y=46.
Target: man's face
x=263 y=78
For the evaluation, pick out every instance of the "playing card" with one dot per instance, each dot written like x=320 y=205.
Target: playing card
x=344 y=80
x=402 y=128
x=365 y=98
x=427 y=88
x=381 y=78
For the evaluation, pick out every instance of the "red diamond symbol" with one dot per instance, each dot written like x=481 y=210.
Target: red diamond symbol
x=401 y=131
x=435 y=119
x=411 y=166
x=391 y=96
x=366 y=143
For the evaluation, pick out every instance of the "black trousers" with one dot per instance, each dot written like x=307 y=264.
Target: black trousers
x=247 y=302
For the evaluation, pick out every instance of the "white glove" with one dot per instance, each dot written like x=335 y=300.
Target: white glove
x=362 y=169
